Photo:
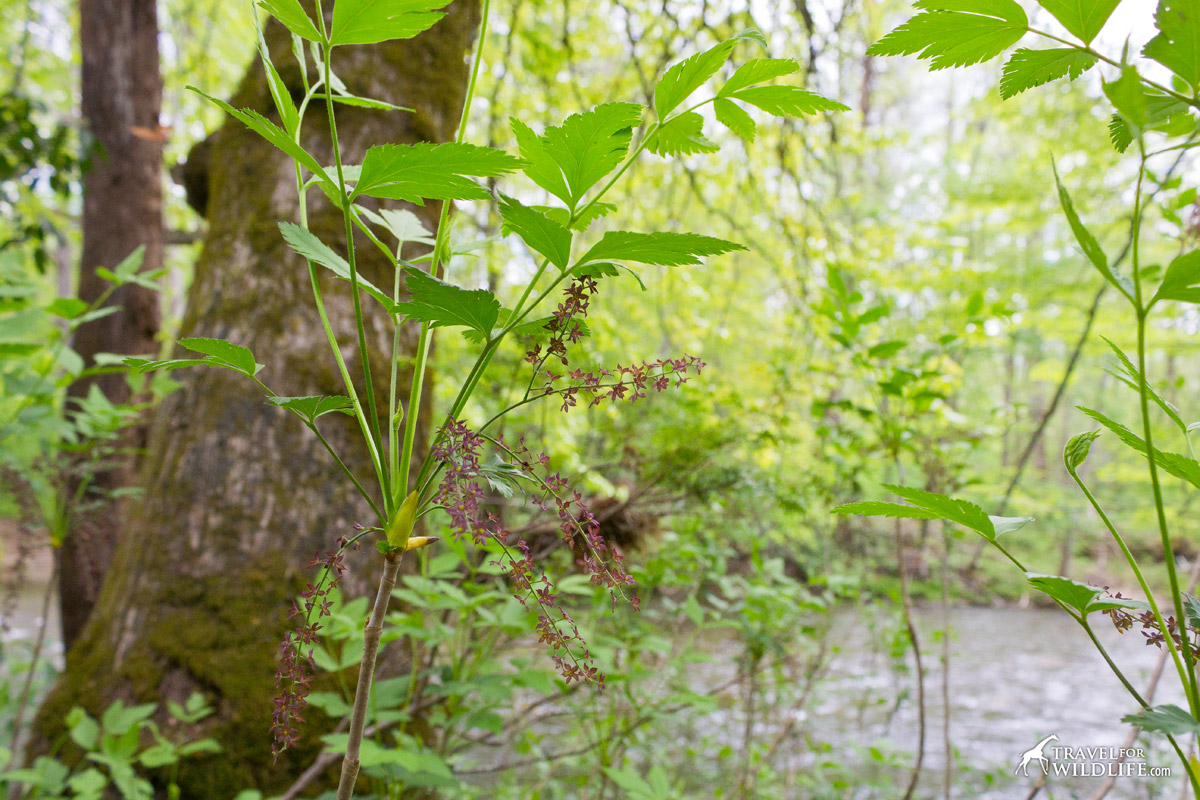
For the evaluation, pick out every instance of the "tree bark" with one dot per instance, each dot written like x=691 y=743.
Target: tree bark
x=238 y=494
x=121 y=95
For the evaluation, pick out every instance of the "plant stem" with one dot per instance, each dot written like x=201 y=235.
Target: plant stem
x=366 y=672
x=360 y=327
x=1189 y=676
x=1137 y=572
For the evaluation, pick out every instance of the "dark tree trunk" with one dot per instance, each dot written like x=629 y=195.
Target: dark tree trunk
x=239 y=495
x=122 y=210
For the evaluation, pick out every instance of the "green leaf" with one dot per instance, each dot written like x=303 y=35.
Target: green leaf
x=542 y=234
x=1091 y=248
x=683 y=134
x=758 y=70
x=307 y=245
x=1029 y=68
x=372 y=21
x=361 y=102
x=1084 y=18
x=1182 y=280
x=1169 y=719
x=400 y=223
x=929 y=505
x=734 y=117
x=661 y=249
x=787 y=101
x=1180 y=466
x=540 y=167
x=1077 y=449
x=273 y=134
x=66 y=307
x=1177 y=46
x=956 y=33
x=583 y=219
x=1073 y=594
x=313 y=406
x=1128 y=96
x=586 y=147
x=415 y=172
x=685 y=77
x=84 y=730
x=444 y=305
x=1119 y=133
x=293 y=16
x=1132 y=377
x=224 y=353
x=288 y=113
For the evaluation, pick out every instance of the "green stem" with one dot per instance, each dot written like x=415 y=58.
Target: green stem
x=1189 y=676
x=348 y=223
x=1133 y=565
x=439 y=254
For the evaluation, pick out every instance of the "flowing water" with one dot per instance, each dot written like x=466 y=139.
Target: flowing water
x=1016 y=676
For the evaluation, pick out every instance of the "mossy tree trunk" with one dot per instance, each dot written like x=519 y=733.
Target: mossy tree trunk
x=239 y=495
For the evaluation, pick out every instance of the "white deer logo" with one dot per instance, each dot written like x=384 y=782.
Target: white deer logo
x=1035 y=754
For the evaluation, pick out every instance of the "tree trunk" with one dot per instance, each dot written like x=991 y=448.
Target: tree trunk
x=122 y=210
x=238 y=494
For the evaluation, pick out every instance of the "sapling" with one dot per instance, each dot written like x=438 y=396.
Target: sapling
x=573 y=166
x=1159 y=122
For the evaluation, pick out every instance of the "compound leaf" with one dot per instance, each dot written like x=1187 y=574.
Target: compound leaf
x=956 y=33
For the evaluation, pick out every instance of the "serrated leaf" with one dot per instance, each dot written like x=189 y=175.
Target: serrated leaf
x=503 y=477
x=586 y=147
x=1119 y=133
x=539 y=166
x=415 y=172
x=758 y=70
x=1128 y=96
x=361 y=102
x=444 y=305
x=1084 y=18
x=734 y=117
x=1073 y=594
x=1180 y=466
x=685 y=77
x=400 y=223
x=1177 y=46
x=1087 y=242
x=227 y=353
x=288 y=113
x=308 y=246
x=293 y=16
x=660 y=249
x=683 y=134
x=1029 y=68
x=930 y=505
x=1182 y=280
x=273 y=134
x=1077 y=449
x=1132 y=377
x=956 y=33
x=313 y=406
x=1169 y=719
x=372 y=21
x=583 y=219
x=787 y=101
x=542 y=234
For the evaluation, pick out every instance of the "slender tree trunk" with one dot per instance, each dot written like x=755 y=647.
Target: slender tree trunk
x=121 y=95
x=239 y=495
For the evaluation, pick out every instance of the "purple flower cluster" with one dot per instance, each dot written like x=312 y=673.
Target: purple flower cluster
x=293 y=681
x=461 y=494
x=1123 y=621
x=622 y=382
x=566 y=325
